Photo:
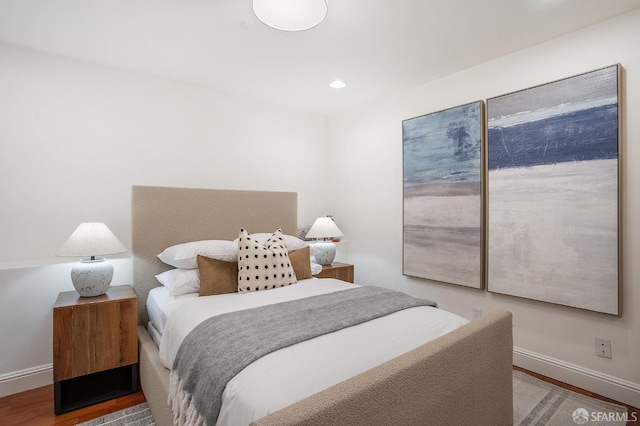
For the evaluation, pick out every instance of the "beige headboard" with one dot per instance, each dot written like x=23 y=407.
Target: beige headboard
x=162 y=217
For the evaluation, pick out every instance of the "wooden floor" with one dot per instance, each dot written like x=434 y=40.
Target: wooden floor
x=35 y=407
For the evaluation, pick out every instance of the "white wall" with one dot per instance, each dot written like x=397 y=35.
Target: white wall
x=74 y=137
x=366 y=146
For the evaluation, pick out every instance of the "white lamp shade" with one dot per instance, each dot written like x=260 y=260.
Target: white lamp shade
x=291 y=15
x=324 y=227
x=91 y=239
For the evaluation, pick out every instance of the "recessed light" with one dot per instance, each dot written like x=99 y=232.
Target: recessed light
x=247 y=24
x=337 y=84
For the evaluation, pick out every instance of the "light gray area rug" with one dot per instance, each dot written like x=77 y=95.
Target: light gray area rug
x=536 y=402
x=138 y=415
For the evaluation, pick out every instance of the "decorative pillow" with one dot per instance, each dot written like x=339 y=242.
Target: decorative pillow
x=292 y=243
x=263 y=266
x=217 y=276
x=180 y=281
x=301 y=262
x=185 y=255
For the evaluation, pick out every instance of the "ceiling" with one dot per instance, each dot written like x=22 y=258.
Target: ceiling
x=377 y=47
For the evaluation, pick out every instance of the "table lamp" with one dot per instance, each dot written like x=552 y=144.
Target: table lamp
x=323 y=229
x=92 y=275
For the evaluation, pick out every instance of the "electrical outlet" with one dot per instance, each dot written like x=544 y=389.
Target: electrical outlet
x=477 y=312
x=603 y=348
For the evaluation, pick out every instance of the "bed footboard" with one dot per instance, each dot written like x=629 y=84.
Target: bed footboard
x=463 y=377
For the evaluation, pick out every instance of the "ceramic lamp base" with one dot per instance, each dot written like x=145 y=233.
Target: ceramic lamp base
x=92 y=277
x=325 y=252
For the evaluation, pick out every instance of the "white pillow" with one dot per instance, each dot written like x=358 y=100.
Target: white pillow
x=316 y=268
x=292 y=243
x=180 y=281
x=185 y=255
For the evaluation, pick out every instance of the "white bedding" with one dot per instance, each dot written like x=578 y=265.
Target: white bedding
x=160 y=303
x=291 y=374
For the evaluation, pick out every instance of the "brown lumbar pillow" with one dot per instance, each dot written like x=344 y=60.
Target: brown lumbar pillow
x=301 y=261
x=217 y=276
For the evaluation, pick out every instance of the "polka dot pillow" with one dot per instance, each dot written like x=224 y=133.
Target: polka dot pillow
x=263 y=266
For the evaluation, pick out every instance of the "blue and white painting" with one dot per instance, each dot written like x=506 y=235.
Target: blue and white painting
x=442 y=195
x=553 y=192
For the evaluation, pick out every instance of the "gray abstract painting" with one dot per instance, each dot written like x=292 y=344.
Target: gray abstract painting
x=442 y=195
x=553 y=192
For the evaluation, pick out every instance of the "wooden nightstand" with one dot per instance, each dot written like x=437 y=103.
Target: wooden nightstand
x=341 y=271
x=95 y=347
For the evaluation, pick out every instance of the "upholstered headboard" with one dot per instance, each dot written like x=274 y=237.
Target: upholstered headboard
x=162 y=217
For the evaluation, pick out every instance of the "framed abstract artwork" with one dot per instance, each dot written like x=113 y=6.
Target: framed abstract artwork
x=442 y=195
x=553 y=190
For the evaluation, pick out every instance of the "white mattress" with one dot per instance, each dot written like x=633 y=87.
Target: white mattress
x=291 y=374
x=160 y=303
x=154 y=333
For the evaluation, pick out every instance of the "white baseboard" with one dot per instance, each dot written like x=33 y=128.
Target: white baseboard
x=602 y=384
x=27 y=379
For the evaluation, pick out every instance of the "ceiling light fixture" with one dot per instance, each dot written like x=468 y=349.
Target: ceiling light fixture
x=291 y=15
x=337 y=84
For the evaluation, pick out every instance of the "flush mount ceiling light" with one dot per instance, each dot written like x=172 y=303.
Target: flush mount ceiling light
x=290 y=15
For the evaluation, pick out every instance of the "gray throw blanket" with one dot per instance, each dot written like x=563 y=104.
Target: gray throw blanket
x=222 y=346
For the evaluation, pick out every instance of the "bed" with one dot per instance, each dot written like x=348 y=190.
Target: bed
x=462 y=377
